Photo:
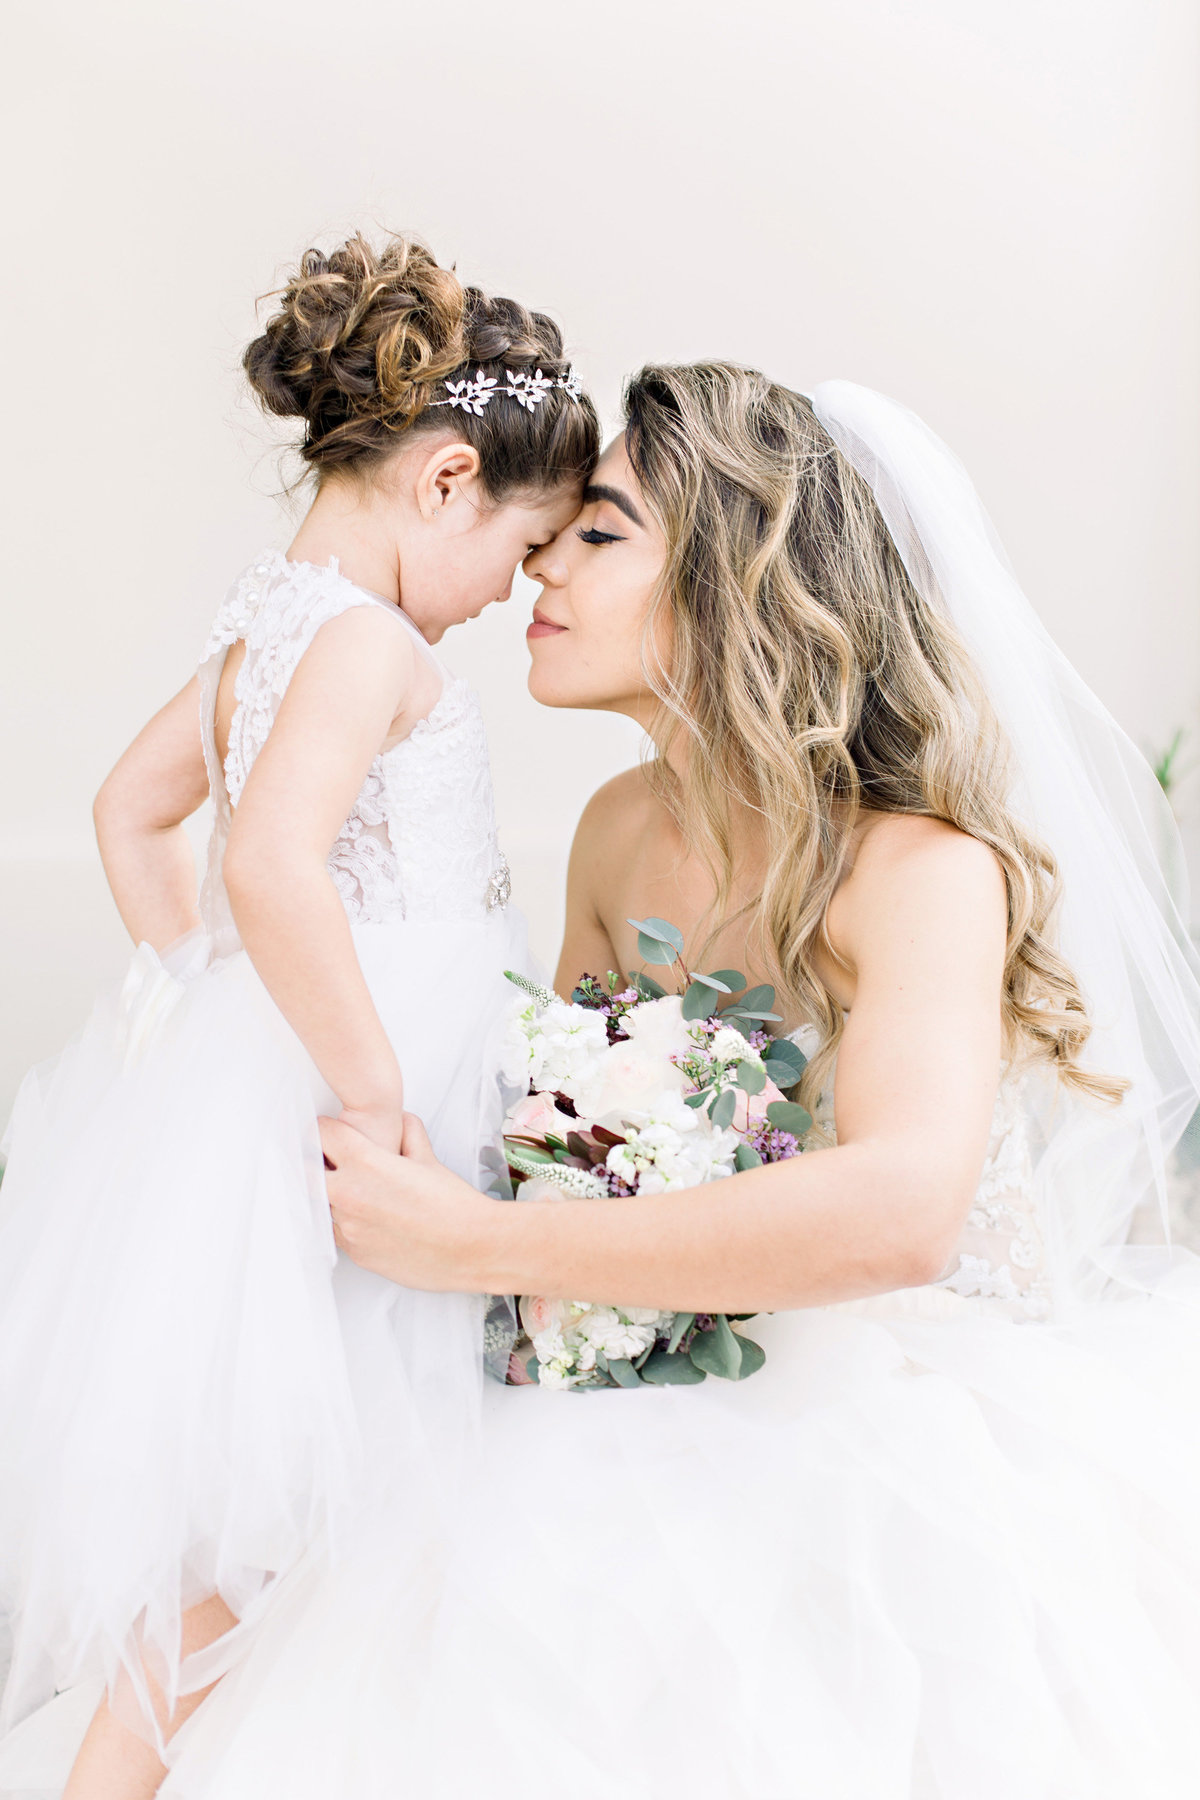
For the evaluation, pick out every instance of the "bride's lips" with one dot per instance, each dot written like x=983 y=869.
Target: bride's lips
x=543 y=627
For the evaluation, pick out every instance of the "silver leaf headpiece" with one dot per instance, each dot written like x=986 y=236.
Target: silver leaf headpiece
x=527 y=388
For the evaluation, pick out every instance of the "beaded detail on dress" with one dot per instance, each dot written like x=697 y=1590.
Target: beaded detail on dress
x=999 y=1264
x=420 y=842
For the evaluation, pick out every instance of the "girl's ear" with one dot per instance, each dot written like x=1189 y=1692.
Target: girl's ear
x=442 y=476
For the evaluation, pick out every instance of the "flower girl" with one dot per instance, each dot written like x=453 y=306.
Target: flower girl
x=194 y=1389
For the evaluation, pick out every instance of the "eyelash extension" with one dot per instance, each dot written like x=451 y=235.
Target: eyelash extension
x=599 y=537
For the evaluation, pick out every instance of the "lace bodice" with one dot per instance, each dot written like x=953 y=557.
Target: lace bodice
x=420 y=842
x=999 y=1264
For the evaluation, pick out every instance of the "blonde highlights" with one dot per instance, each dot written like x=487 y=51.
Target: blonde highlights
x=814 y=681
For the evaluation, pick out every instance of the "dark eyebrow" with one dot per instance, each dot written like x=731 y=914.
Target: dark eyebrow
x=595 y=491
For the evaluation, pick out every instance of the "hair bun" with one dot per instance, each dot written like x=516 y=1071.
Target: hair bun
x=360 y=338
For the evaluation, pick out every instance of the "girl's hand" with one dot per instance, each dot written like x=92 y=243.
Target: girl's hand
x=384 y=1125
x=406 y=1217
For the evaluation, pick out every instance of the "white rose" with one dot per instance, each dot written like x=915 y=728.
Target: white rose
x=640 y=1066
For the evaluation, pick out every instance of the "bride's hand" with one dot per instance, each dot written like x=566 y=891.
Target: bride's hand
x=407 y=1217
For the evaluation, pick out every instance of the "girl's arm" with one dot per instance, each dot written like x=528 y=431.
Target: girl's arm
x=139 y=814
x=923 y=925
x=338 y=709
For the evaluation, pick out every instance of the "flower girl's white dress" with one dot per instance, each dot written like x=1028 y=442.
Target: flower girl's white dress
x=194 y=1387
x=938 y=1549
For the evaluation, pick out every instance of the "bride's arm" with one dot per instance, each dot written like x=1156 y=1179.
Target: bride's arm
x=922 y=924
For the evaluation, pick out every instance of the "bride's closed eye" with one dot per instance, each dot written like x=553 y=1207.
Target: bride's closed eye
x=599 y=537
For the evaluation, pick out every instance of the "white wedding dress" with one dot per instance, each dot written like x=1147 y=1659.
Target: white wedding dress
x=195 y=1389
x=938 y=1549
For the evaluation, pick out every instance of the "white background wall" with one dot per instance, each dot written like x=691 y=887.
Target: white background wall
x=989 y=212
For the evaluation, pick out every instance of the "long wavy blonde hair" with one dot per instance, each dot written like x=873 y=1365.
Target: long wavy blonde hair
x=814 y=681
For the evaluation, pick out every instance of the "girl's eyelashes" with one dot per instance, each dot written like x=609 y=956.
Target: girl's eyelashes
x=599 y=537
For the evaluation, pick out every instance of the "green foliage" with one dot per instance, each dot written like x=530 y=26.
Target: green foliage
x=785 y=1061
x=663 y=1370
x=646 y=986
x=718 y=1352
x=751 y=1077
x=785 y=1115
x=624 y=1373
x=722 y=1109
x=746 y=1157
x=683 y=1324
x=699 y=1001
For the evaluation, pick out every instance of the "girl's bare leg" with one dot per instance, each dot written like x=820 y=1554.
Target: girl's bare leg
x=114 y=1763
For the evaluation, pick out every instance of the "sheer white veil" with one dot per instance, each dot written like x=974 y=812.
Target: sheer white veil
x=1084 y=789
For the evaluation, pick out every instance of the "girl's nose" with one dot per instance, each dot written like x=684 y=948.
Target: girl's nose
x=546 y=566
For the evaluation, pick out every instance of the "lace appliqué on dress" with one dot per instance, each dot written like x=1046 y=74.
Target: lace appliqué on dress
x=420 y=841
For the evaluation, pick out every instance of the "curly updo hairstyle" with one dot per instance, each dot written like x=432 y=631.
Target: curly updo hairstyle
x=363 y=340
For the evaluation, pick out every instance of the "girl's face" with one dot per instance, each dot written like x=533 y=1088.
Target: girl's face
x=598 y=578
x=461 y=550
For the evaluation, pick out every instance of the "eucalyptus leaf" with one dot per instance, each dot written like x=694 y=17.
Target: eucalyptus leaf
x=751 y=1077
x=697 y=1099
x=717 y=1352
x=531 y=1369
x=753 y=1019
x=653 y=950
x=785 y=1115
x=683 y=1324
x=662 y=1370
x=757 y=1000
x=734 y=980
x=746 y=1157
x=624 y=1373
x=660 y=929
x=698 y=1001
x=782 y=1050
x=647 y=987
x=722 y=1109
x=711 y=981
x=781 y=1073
x=753 y=1356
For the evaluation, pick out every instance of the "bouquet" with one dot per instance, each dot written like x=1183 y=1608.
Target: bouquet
x=634 y=1090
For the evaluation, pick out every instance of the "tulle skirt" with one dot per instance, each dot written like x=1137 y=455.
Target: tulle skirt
x=196 y=1390
x=921 y=1556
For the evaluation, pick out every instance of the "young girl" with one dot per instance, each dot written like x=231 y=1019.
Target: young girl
x=192 y=1389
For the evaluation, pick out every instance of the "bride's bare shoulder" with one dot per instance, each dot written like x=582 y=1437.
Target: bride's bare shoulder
x=900 y=861
x=621 y=810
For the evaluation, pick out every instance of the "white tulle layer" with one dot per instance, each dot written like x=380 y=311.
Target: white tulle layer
x=195 y=1390
x=911 y=1560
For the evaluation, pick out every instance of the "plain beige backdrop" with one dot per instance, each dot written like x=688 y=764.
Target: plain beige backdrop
x=988 y=211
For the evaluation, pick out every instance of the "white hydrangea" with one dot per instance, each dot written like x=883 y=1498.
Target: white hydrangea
x=555 y=1047
x=568 y=1351
x=672 y=1145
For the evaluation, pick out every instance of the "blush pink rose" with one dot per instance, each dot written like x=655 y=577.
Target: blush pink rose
x=534 y=1116
x=538 y=1315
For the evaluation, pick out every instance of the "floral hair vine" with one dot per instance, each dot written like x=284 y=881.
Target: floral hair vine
x=527 y=388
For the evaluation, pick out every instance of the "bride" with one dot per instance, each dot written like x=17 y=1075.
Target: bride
x=943 y=1546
